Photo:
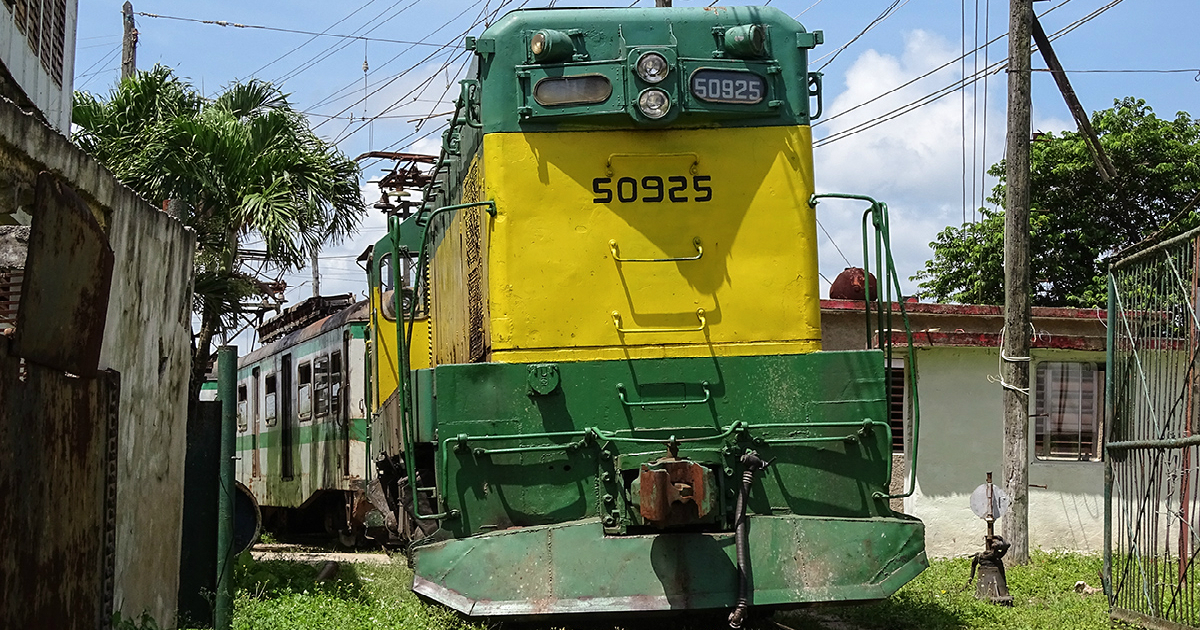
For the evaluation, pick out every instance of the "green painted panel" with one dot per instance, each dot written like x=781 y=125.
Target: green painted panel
x=558 y=473
x=608 y=42
x=574 y=567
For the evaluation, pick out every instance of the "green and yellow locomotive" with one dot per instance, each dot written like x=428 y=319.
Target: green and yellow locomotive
x=612 y=394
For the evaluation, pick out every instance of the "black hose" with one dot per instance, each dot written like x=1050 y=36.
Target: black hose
x=751 y=464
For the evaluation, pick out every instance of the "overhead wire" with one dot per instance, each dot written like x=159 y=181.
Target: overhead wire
x=341 y=45
x=229 y=24
x=312 y=38
x=956 y=85
x=923 y=76
x=888 y=12
x=337 y=95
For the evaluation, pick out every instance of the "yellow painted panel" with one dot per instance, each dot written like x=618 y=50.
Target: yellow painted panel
x=558 y=289
x=458 y=277
x=383 y=337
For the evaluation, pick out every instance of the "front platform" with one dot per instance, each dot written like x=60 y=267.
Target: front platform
x=574 y=568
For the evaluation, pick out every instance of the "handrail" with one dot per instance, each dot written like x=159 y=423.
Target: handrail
x=661 y=403
x=877 y=213
x=616 y=317
x=422 y=261
x=612 y=247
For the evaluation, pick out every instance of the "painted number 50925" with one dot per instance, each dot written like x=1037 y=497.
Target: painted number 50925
x=652 y=189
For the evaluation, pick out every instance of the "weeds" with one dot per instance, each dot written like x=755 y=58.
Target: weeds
x=278 y=595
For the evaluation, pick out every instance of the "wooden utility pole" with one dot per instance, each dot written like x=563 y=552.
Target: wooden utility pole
x=316 y=271
x=1017 y=318
x=128 y=43
x=1107 y=170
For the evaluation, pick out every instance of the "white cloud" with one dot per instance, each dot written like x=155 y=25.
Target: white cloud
x=914 y=163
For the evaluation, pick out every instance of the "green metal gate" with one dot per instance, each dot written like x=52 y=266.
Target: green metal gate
x=1152 y=488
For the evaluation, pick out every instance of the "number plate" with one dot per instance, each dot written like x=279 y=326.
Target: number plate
x=652 y=189
x=728 y=86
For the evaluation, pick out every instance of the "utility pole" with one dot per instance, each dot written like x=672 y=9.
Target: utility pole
x=316 y=276
x=1017 y=318
x=662 y=3
x=128 y=43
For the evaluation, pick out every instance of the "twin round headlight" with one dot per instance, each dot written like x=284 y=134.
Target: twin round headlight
x=654 y=103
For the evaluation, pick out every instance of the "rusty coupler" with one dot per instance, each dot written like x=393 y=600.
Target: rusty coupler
x=989 y=503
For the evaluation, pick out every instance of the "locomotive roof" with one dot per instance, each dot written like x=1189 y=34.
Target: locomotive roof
x=356 y=313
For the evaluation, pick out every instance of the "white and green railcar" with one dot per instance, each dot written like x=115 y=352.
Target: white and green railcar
x=302 y=433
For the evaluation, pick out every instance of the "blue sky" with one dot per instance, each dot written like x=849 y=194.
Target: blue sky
x=927 y=164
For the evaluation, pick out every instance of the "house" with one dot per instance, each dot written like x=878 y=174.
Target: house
x=961 y=436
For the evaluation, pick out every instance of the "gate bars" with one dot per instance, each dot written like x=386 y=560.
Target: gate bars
x=1151 y=485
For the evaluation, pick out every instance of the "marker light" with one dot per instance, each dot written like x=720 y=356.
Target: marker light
x=652 y=67
x=749 y=40
x=548 y=45
x=654 y=103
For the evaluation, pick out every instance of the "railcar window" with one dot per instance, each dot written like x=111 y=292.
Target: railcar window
x=269 y=400
x=321 y=398
x=387 y=278
x=242 y=411
x=254 y=397
x=304 y=391
x=335 y=383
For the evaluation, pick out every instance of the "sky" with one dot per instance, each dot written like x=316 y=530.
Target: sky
x=887 y=58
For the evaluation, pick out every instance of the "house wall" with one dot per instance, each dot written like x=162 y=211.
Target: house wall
x=25 y=70
x=146 y=339
x=962 y=424
x=961 y=440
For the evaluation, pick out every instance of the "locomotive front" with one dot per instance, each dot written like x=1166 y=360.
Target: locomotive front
x=627 y=406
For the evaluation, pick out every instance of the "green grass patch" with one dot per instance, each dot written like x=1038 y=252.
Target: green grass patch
x=279 y=595
x=939 y=599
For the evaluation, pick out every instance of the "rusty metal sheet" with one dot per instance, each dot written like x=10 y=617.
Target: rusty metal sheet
x=68 y=274
x=57 y=467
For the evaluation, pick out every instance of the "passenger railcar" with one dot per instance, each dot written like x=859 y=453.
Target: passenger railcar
x=618 y=400
x=302 y=433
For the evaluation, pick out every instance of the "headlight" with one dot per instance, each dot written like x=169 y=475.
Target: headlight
x=748 y=40
x=652 y=67
x=654 y=103
x=549 y=45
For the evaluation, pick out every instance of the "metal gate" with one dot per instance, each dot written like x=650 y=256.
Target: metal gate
x=1152 y=486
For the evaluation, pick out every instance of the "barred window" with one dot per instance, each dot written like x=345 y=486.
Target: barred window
x=44 y=23
x=1069 y=411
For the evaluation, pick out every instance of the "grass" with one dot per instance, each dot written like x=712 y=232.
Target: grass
x=1043 y=597
x=279 y=595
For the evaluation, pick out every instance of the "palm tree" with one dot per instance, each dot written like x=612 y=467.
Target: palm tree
x=244 y=165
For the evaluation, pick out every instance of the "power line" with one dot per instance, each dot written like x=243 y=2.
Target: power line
x=339 y=46
x=938 y=94
x=888 y=12
x=227 y=23
x=312 y=38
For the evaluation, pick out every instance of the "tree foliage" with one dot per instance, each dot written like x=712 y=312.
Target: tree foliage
x=244 y=165
x=1076 y=218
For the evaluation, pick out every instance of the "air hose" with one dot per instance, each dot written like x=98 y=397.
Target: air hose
x=751 y=463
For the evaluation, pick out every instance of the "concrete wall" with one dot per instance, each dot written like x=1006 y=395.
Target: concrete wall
x=146 y=339
x=24 y=67
x=962 y=434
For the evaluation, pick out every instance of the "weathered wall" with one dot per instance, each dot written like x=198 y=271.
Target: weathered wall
x=53 y=474
x=21 y=68
x=146 y=339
